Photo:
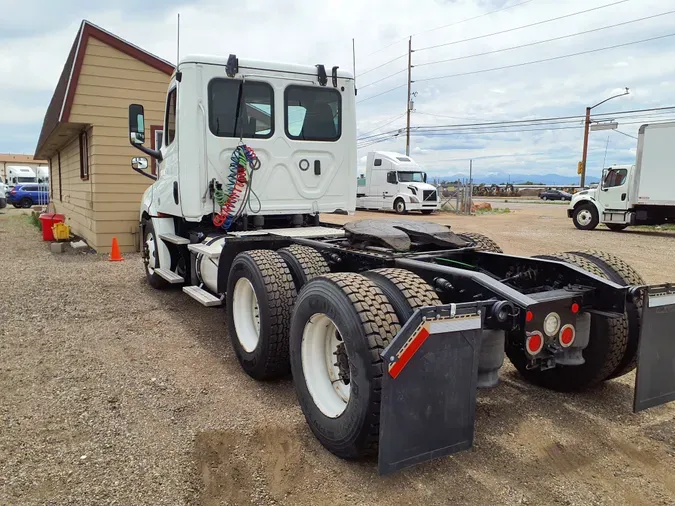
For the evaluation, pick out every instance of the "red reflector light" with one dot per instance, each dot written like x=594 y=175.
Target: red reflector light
x=534 y=343
x=567 y=335
x=575 y=308
x=529 y=316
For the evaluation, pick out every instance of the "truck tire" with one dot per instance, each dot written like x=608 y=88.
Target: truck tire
x=304 y=263
x=616 y=227
x=151 y=258
x=482 y=242
x=603 y=355
x=399 y=206
x=585 y=217
x=405 y=291
x=623 y=274
x=346 y=316
x=427 y=211
x=260 y=297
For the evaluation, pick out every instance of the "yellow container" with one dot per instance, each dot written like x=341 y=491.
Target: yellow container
x=61 y=231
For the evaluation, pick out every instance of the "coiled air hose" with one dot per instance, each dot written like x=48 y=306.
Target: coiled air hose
x=237 y=188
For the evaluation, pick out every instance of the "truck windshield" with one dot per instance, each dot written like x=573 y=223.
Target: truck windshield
x=411 y=177
x=25 y=179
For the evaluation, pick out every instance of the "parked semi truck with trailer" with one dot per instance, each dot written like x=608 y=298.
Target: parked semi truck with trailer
x=395 y=182
x=387 y=326
x=638 y=194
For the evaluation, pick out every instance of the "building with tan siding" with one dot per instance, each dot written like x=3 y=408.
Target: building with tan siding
x=85 y=135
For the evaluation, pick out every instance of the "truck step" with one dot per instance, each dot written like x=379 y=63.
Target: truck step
x=202 y=296
x=212 y=251
x=170 y=276
x=174 y=239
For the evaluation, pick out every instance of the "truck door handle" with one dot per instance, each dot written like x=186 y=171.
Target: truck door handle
x=623 y=196
x=317 y=167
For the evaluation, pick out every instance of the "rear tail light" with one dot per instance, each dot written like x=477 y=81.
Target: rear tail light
x=534 y=342
x=13 y=191
x=567 y=335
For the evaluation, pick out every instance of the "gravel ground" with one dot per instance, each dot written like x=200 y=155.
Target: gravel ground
x=113 y=393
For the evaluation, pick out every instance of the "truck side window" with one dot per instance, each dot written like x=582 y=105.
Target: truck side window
x=391 y=177
x=170 y=119
x=378 y=162
x=615 y=177
x=312 y=114
x=241 y=110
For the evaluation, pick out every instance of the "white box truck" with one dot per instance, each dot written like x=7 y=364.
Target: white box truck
x=639 y=194
x=395 y=181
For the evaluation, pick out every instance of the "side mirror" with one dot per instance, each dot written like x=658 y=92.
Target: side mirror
x=136 y=124
x=139 y=163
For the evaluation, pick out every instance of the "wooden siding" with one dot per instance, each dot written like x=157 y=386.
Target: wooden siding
x=108 y=204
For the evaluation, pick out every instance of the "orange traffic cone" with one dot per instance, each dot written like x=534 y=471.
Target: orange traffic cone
x=115 y=255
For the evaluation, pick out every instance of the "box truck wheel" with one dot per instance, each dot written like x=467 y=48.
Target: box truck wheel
x=405 y=290
x=151 y=257
x=585 y=217
x=603 y=355
x=341 y=323
x=427 y=211
x=260 y=297
x=399 y=206
x=623 y=274
x=482 y=242
x=304 y=263
x=616 y=227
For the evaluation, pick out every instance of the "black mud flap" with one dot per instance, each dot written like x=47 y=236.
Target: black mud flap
x=429 y=387
x=655 y=379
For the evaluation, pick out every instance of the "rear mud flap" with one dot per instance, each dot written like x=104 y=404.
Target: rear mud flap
x=655 y=379
x=429 y=386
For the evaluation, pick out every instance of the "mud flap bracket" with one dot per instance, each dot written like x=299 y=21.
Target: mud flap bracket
x=429 y=386
x=655 y=379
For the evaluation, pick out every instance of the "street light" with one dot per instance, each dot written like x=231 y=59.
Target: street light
x=587 y=123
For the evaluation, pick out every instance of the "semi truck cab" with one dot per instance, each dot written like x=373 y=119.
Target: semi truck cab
x=395 y=182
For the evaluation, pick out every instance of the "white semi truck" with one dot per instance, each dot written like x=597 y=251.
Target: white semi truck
x=395 y=182
x=639 y=194
x=387 y=326
x=18 y=174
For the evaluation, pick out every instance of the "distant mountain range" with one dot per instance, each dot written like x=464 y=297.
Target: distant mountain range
x=499 y=178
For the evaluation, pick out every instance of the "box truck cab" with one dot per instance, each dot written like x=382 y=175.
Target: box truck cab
x=20 y=175
x=395 y=182
x=638 y=194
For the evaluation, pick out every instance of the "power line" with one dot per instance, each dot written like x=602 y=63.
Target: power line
x=451 y=24
x=624 y=133
x=384 y=124
x=546 y=59
x=385 y=78
x=383 y=93
x=523 y=26
x=545 y=41
x=382 y=65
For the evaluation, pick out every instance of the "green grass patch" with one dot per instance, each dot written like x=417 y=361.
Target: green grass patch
x=494 y=210
x=35 y=221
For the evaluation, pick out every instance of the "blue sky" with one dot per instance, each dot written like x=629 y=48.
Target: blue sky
x=35 y=36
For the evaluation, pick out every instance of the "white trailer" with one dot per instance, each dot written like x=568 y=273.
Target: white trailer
x=395 y=182
x=638 y=194
x=387 y=326
x=17 y=174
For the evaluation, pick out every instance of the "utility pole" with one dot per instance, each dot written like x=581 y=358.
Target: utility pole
x=587 y=125
x=407 y=106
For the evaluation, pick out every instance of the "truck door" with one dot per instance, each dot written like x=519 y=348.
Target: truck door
x=615 y=189
x=390 y=188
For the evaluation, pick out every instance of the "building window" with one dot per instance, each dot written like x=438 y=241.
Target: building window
x=156 y=139
x=60 y=180
x=84 y=155
x=170 y=120
x=51 y=178
x=312 y=114
x=239 y=109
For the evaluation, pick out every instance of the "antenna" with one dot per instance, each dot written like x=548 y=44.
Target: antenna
x=178 y=41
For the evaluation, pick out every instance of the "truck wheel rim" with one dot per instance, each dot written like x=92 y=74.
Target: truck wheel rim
x=323 y=359
x=246 y=314
x=151 y=254
x=400 y=207
x=584 y=217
